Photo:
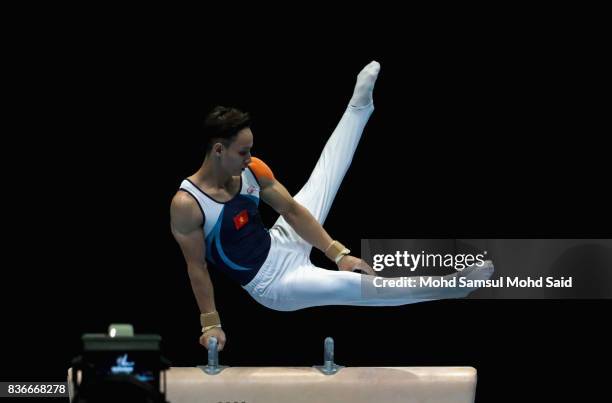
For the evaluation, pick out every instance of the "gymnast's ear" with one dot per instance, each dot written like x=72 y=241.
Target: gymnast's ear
x=217 y=148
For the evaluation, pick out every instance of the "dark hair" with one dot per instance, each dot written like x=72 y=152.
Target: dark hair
x=222 y=125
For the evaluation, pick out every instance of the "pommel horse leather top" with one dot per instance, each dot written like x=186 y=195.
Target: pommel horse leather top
x=308 y=385
x=326 y=383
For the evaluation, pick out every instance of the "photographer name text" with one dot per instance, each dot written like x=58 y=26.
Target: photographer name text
x=501 y=282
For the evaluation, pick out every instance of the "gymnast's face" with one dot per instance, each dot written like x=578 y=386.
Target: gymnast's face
x=238 y=155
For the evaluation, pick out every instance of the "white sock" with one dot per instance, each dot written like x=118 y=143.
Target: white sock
x=362 y=95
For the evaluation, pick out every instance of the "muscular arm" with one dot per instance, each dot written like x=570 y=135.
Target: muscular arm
x=186 y=225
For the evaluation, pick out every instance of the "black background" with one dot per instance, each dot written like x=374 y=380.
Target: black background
x=476 y=133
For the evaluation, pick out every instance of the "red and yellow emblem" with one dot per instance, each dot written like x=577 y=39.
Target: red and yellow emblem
x=241 y=219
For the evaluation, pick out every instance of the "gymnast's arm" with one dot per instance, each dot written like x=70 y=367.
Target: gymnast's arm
x=276 y=195
x=186 y=223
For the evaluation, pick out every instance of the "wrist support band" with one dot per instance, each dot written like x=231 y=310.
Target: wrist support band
x=210 y=319
x=336 y=251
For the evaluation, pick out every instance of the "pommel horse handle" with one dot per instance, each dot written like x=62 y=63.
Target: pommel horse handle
x=213 y=366
x=328 y=367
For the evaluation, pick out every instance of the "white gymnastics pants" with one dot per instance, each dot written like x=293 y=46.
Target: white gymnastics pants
x=288 y=281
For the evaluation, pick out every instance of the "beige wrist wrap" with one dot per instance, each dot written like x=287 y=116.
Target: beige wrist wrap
x=336 y=251
x=210 y=320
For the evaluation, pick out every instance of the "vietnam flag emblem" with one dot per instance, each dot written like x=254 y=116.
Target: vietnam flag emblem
x=241 y=219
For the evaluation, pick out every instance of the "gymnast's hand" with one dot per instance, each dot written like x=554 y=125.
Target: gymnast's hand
x=351 y=263
x=216 y=332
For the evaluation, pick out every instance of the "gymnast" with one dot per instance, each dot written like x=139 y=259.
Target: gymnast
x=215 y=220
